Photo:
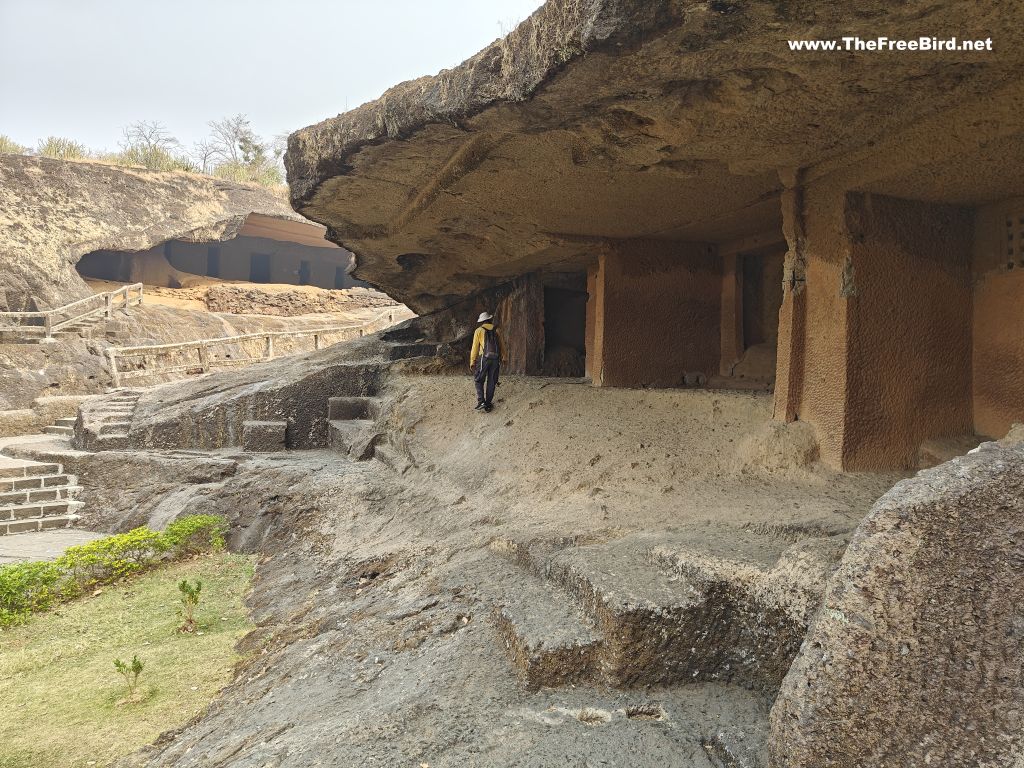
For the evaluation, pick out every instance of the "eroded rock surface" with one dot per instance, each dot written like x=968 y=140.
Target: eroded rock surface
x=916 y=656
x=289 y=302
x=597 y=121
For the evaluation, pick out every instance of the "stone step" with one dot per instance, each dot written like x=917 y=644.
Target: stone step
x=40 y=509
x=115 y=428
x=16 y=469
x=66 y=422
x=355 y=437
x=119 y=414
x=346 y=408
x=59 y=429
x=713 y=604
x=660 y=628
x=405 y=351
x=549 y=640
x=111 y=442
x=45 y=481
x=264 y=436
x=37 y=495
x=41 y=524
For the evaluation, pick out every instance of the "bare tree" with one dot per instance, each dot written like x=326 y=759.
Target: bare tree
x=206 y=153
x=229 y=135
x=149 y=136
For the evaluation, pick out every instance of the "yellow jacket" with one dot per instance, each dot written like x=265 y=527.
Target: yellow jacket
x=478 y=343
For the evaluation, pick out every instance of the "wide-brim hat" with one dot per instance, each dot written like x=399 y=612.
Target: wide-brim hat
x=484 y=317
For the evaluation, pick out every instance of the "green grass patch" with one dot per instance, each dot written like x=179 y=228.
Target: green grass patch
x=65 y=705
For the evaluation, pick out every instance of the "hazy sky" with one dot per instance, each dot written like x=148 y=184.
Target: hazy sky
x=86 y=68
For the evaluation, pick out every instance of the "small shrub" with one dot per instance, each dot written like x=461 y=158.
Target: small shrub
x=111 y=558
x=61 y=148
x=189 y=602
x=194 y=534
x=11 y=147
x=26 y=588
x=130 y=673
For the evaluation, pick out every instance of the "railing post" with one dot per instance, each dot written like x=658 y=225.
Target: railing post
x=115 y=375
x=270 y=347
x=204 y=358
x=108 y=308
x=316 y=341
x=48 y=325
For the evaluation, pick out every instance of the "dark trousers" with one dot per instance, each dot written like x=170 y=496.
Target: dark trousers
x=486 y=375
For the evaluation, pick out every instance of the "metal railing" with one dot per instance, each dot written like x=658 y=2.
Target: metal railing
x=43 y=325
x=203 y=355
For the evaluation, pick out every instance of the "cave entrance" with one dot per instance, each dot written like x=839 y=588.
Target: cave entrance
x=565 y=326
x=113 y=266
x=213 y=261
x=259 y=268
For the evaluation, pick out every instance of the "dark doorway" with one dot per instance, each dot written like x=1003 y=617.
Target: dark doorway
x=565 y=331
x=259 y=268
x=761 y=299
x=340 y=278
x=305 y=272
x=106 y=265
x=213 y=261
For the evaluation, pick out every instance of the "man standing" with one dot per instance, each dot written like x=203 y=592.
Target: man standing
x=485 y=361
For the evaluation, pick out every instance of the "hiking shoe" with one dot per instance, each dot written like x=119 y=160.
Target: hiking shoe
x=479 y=407
x=488 y=408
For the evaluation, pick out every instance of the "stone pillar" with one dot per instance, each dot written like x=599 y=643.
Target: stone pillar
x=732 y=313
x=793 y=314
x=657 y=313
x=591 y=333
x=908 y=285
x=998 y=338
x=874 y=335
x=520 y=318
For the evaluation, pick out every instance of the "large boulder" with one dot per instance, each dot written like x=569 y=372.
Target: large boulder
x=917 y=655
x=53 y=212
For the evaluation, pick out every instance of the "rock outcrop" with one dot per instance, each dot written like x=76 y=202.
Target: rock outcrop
x=291 y=301
x=916 y=656
x=53 y=212
x=598 y=121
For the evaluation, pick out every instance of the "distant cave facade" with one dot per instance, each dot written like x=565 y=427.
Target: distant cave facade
x=265 y=251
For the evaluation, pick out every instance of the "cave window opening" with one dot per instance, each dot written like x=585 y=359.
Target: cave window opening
x=305 y=272
x=565 y=328
x=340 y=278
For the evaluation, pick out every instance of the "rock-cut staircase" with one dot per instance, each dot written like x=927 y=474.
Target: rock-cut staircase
x=106 y=424
x=706 y=605
x=36 y=496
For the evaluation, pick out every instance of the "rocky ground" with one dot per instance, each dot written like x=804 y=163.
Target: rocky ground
x=74 y=365
x=270 y=300
x=429 y=606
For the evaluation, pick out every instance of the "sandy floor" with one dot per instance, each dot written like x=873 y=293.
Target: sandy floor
x=563 y=457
